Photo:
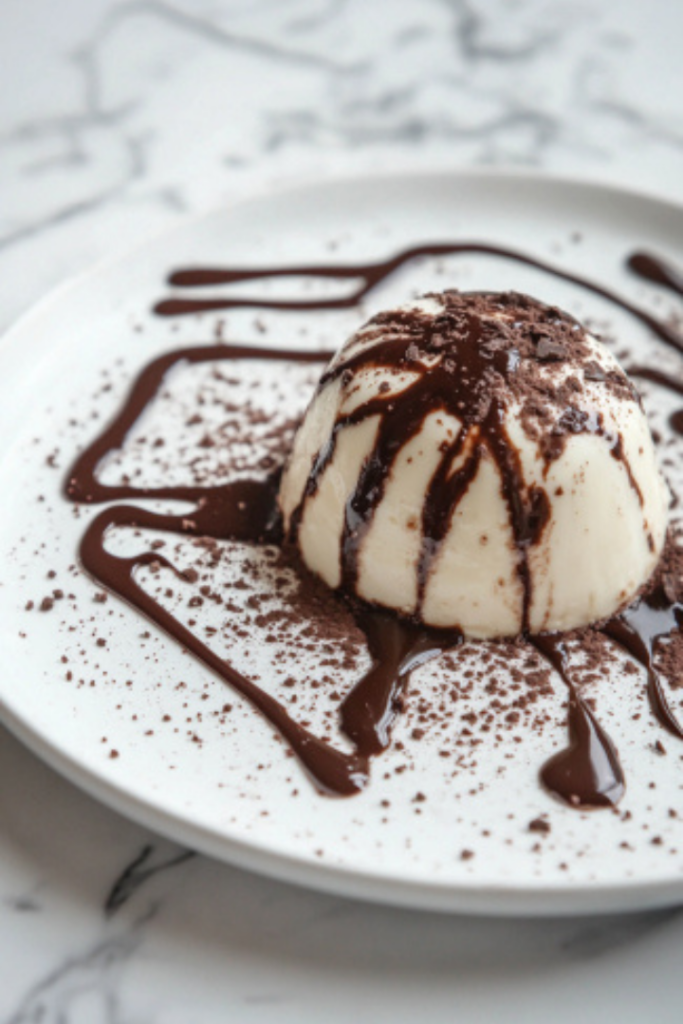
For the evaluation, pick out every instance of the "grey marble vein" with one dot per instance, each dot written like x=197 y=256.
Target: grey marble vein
x=212 y=32
x=93 y=975
x=471 y=25
x=133 y=148
x=406 y=76
x=76 y=132
x=141 y=869
x=597 y=938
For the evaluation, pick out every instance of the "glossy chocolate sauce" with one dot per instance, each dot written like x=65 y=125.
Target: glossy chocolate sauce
x=465 y=362
x=243 y=511
x=653 y=617
x=587 y=773
x=653 y=268
x=370 y=275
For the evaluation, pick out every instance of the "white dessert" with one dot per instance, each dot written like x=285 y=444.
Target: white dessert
x=520 y=494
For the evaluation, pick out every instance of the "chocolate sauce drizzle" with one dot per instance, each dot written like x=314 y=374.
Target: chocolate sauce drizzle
x=653 y=268
x=587 y=773
x=652 y=618
x=245 y=511
x=334 y=771
x=397 y=647
x=661 y=272
x=370 y=275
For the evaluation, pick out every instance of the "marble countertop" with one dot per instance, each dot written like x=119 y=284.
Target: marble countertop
x=117 y=119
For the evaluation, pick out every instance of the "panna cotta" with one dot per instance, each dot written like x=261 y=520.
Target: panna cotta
x=479 y=462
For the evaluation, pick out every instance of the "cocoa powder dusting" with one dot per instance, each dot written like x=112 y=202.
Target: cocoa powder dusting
x=539 y=350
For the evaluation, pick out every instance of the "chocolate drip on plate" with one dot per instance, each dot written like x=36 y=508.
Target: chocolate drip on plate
x=587 y=773
x=652 y=618
x=397 y=646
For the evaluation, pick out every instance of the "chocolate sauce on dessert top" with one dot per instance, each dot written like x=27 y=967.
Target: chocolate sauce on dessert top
x=587 y=773
x=468 y=361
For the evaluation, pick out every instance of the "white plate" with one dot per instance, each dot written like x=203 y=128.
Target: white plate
x=231 y=794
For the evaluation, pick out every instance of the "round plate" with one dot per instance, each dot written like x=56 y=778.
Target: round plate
x=122 y=711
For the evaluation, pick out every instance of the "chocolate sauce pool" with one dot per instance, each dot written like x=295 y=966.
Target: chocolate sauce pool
x=587 y=773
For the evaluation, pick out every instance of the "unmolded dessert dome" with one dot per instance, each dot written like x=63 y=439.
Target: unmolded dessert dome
x=477 y=461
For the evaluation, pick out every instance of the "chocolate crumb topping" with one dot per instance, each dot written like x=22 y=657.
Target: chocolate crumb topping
x=481 y=353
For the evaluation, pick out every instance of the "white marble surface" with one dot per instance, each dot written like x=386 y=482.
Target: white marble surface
x=116 y=120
